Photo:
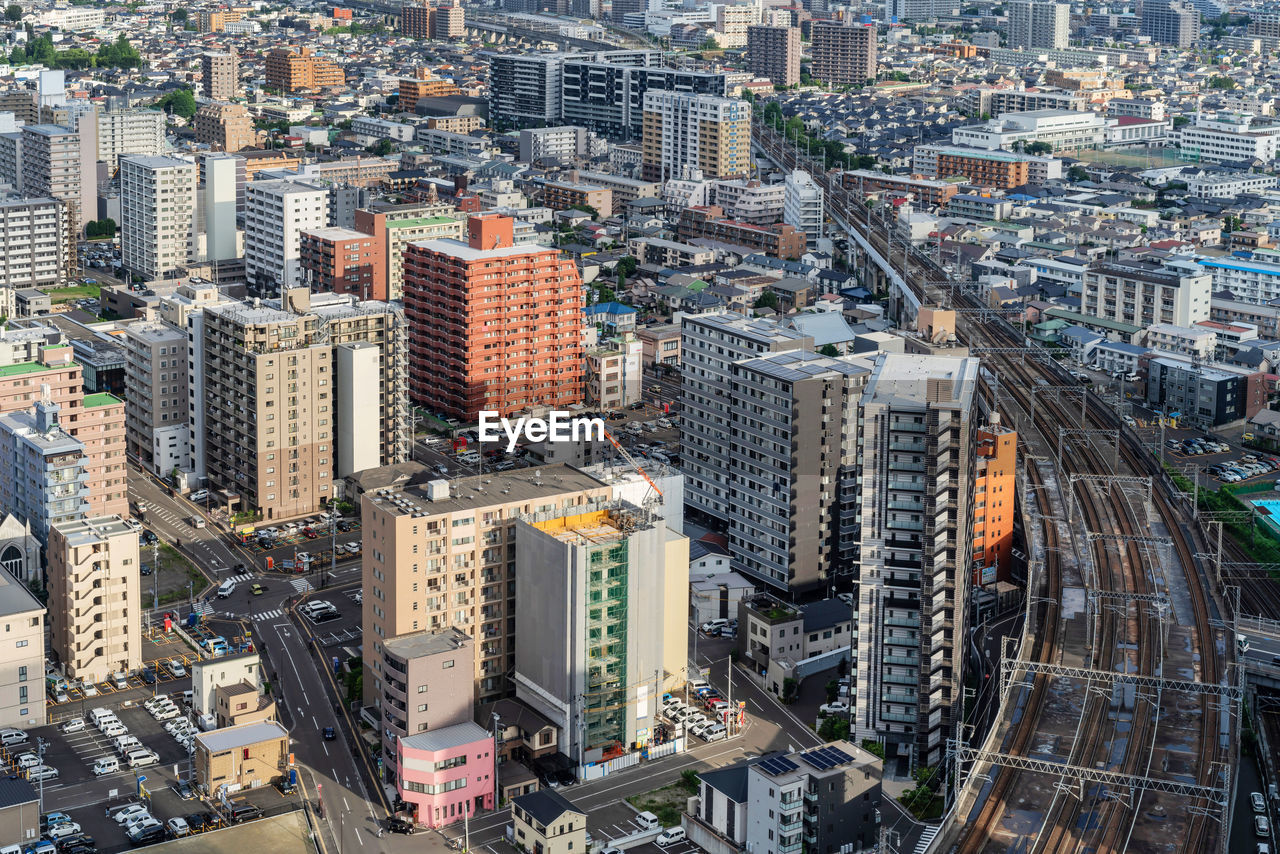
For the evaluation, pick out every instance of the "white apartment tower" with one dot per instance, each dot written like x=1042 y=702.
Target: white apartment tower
x=157 y=213
x=802 y=206
x=276 y=214
x=918 y=439
x=217 y=238
x=122 y=132
x=1036 y=24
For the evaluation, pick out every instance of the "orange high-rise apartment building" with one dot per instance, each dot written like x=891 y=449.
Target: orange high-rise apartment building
x=493 y=326
x=995 y=486
x=423 y=85
x=295 y=72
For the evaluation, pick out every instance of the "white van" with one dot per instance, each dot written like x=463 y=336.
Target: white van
x=226 y=588
x=647 y=820
x=106 y=765
x=99 y=714
x=670 y=836
x=114 y=729
x=141 y=757
x=119 y=680
x=10 y=737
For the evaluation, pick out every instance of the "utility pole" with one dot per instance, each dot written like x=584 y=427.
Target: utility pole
x=155 y=575
x=497 y=747
x=40 y=745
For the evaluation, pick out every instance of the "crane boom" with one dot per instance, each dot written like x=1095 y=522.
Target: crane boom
x=631 y=460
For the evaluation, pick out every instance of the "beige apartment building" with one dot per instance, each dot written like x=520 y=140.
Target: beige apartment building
x=225 y=127
x=22 y=649
x=684 y=129
x=441 y=554
x=219 y=75
x=95 y=617
x=843 y=55
x=241 y=757
x=275 y=393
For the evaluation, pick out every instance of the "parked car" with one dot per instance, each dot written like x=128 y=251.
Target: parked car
x=178 y=827
x=73 y=725
x=127 y=814
x=1261 y=826
x=399 y=825
x=175 y=668
x=836 y=708
x=670 y=836
x=1258 y=802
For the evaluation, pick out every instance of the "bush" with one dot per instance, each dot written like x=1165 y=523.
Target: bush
x=834 y=728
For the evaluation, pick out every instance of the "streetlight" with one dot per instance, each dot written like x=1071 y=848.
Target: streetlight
x=497 y=747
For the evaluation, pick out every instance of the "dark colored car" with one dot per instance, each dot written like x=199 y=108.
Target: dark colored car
x=399 y=825
x=237 y=568
x=145 y=570
x=244 y=812
x=148 y=676
x=326 y=616
x=196 y=821
x=185 y=791
x=329 y=734
x=345 y=525
x=309 y=533
x=79 y=841
x=286 y=788
x=149 y=537
x=566 y=778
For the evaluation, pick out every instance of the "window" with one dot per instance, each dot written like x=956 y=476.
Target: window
x=22 y=673
x=444 y=666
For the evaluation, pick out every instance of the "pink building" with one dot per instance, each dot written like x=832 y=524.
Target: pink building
x=446 y=773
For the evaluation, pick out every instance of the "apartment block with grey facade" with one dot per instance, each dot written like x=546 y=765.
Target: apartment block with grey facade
x=918 y=438
x=793 y=468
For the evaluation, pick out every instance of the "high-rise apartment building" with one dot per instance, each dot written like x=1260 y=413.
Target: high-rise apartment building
x=793 y=469
x=38 y=358
x=343 y=261
x=157 y=426
x=843 y=55
x=216 y=20
x=524 y=89
x=450 y=22
x=301 y=72
x=277 y=395
x=225 y=127
x=605 y=92
x=917 y=443
x=1172 y=22
x=709 y=347
x=220 y=75
x=902 y=11
x=443 y=555
x=708 y=132
x=276 y=214
x=396 y=226
x=495 y=326
x=46 y=469
x=1037 y=24
x=157 y=215
x=34 y=236
x=122 y=132
x=52 y=166
x=95 y=613
x=732 y=20
x=614 y=582
x=803 y=206
x=774 y=52
x=416 y=20
x=995 y=485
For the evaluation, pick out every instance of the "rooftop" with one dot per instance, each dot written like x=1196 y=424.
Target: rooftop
x=102 y=399
x=487 y=490
x=426 y=643
x=229 y=738
x=447 y=738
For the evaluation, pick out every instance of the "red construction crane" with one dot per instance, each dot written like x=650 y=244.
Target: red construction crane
x=631 y=460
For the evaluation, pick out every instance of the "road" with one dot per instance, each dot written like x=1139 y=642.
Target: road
x=298 y=677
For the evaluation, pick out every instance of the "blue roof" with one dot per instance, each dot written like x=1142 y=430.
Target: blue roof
x=1122 y=347
x=610 y=308
x=1079 y=332
x=1257 y=267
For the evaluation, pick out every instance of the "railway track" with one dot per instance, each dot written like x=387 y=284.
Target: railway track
x=1115 y=822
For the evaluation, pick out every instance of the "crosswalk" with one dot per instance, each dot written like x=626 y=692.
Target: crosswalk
x=244 y=576
x=302 y=585
x=202 y=608
x=267 y=615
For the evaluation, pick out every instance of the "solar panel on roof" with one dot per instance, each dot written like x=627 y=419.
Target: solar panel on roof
x=840 y=756
x=778 y=765
x=826 y=757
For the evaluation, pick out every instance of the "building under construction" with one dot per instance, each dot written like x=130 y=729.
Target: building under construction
x=613 y=582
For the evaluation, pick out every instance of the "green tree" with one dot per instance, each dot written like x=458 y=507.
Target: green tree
x=13 y=12
x=790 y=687
x=1078 y=173
x=101 y=228
x=382 y=147
x=627 y=266
x=832 y=351
x=833 y=728
x=768 y=299
x=1181 y=121
x=18 y=56
x=588 y=210
x=179 y=102
x=179 y=15
x=119 y=54
x=1039 y=147
x=1221 y=83
x=833 y=688
x=709 y=44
